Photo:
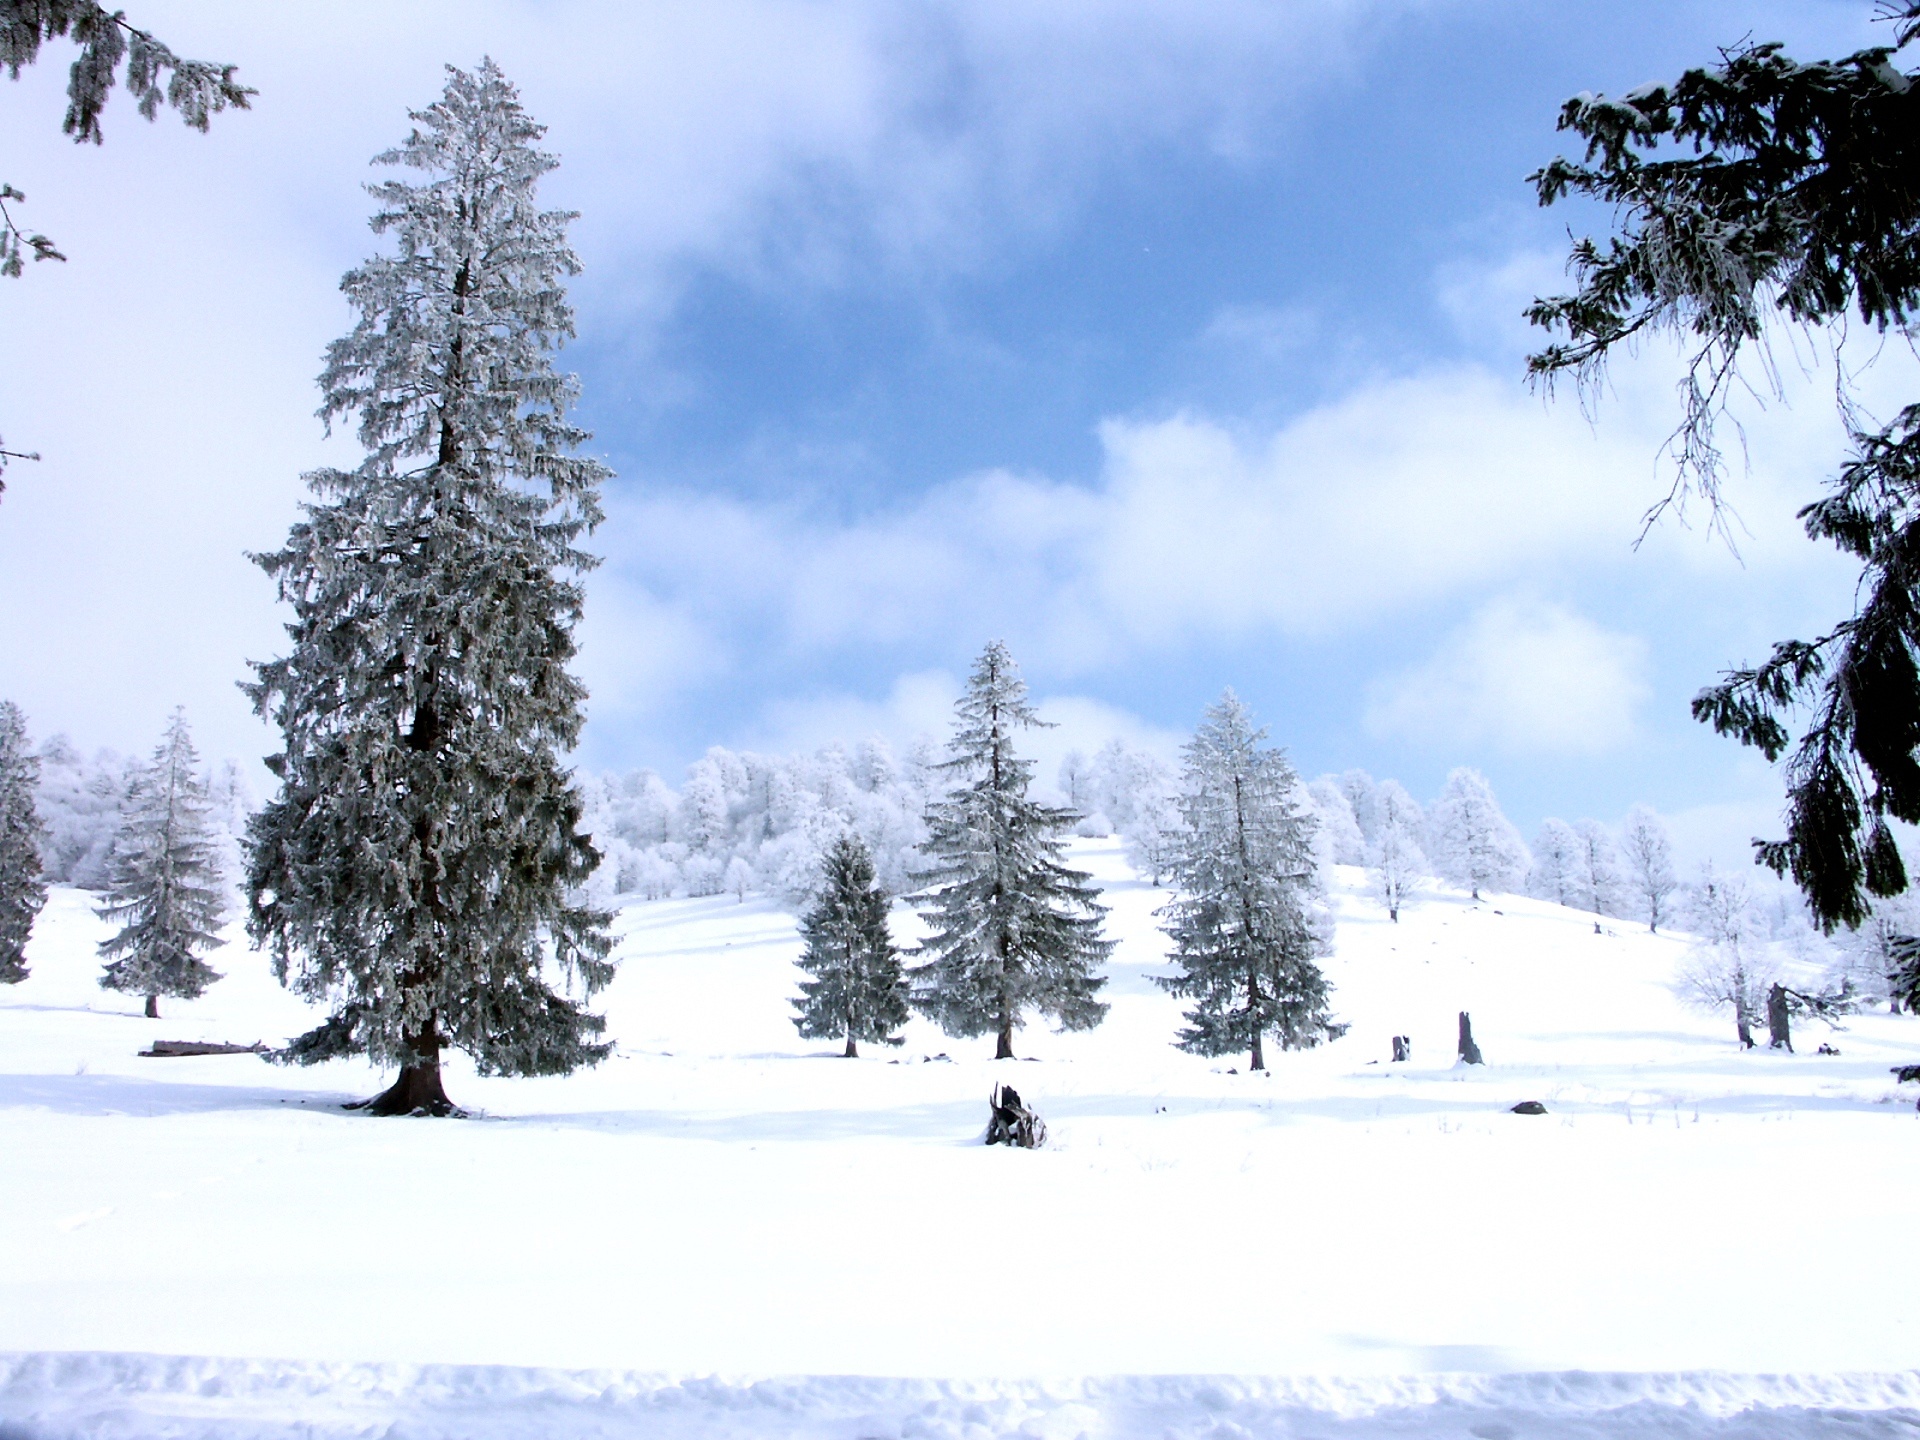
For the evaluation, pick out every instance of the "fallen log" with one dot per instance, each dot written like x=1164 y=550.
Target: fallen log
x=167 y=1049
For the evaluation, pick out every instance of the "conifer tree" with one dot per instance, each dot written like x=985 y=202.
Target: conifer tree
x=165 y=881
x=1760 y=192
x=419 y=869
x=1013 y=928
x=1244 y=925
x=858 y=991
x=23 y=888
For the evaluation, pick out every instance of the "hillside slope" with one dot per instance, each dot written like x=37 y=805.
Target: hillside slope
x=723 y=1197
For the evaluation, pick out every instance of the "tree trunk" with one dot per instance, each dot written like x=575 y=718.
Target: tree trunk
x=852 y=1053
x=1004 y=1050
x=153 y=1007
x=1393 y=914
x=418 y=1090
x=1402 y=1049
x=1469 y=1052
x=1779 y=1020
x=1259 y=1060
x=1743 y=1025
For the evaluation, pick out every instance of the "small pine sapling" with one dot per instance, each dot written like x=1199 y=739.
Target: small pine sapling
x=858 y=991
x=165 y=881
x=23 y=886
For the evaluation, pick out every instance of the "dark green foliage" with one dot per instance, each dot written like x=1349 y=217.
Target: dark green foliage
x=1013 y=928
x=1903 y=975
x=165 y=882
x=419 y=868
x=1758 y=189
x=1245 y=927
x=23 y=889
x=857 y=991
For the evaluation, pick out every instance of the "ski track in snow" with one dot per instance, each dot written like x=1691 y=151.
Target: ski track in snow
x=1692 y=1242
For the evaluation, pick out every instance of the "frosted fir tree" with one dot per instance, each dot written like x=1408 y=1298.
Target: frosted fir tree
x=1649 y=881
x=1244 y=921
x=1596 y=871
x=1556 y=863
x=165 y=888
x=858 y=991
x=1395 y=861
x=1474 y=844
x=420 y=869
x=23 y=886
x=1012 y=928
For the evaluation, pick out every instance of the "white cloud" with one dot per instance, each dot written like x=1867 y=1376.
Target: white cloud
x=919 y=706
x=166 y=371
x=1407 y=491
x=1524 y=676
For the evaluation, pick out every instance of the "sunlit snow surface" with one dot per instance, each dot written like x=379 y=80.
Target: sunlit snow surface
x=722 y=1199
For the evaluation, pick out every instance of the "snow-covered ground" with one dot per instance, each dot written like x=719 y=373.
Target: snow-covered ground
x=723 y=1199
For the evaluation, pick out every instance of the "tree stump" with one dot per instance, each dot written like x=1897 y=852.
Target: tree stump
x=1469 y=1052
x=1402 y=1048
x=1779 y=1019
x=1010 y=1122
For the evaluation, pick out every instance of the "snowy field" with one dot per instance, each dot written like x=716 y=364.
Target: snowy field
x=724 y=1201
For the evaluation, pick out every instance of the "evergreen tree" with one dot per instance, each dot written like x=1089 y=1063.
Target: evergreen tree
x=857 y=991
x=1752 y=193
x=419 y=869
x=23 y=888
x=1475 y=845
x=165 y=881
x=1650 y=881
x=1013 y=928
x=1243 y=923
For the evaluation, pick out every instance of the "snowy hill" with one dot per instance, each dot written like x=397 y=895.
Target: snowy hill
x=723 y=1197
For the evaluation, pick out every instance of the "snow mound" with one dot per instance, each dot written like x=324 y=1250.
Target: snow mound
x=133 y=1397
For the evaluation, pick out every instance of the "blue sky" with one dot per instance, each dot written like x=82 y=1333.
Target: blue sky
x=1177 y=344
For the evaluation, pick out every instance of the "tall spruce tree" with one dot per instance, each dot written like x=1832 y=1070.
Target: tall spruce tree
x=23 y=888
x=858 y=991
x=1013 y=928
x=419 y=867
x=1243 y=923
x=164 y=885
